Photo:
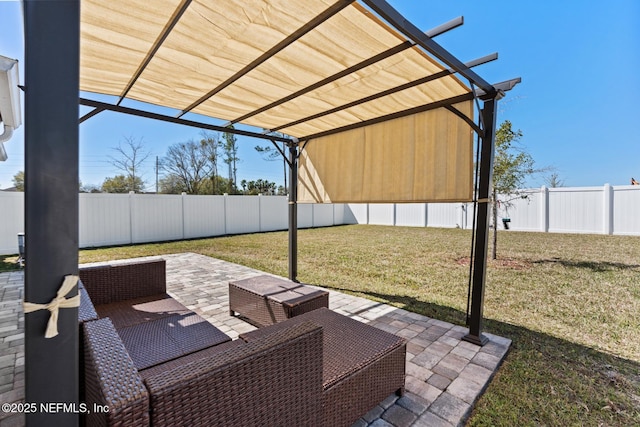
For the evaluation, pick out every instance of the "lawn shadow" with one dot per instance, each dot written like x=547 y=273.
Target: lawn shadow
x=595 y=266
x=545 y=380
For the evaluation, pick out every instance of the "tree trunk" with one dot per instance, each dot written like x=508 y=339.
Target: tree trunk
x=494 y=214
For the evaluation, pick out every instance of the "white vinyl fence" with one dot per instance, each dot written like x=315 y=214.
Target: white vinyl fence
x=116 y=219
x=595 y=210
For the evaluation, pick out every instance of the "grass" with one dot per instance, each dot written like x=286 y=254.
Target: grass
x=570 y=303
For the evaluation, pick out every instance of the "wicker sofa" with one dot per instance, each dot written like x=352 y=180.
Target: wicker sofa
x=141 y=362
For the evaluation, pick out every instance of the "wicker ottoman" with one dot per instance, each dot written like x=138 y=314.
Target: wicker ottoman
x=265 y=300
x=361 y=365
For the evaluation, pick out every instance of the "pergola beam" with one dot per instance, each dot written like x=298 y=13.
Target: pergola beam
x=387 y=92
x=393 y=17
x=374 y=59
x=90 y=114
x=404 y=113
x=182 y=7
x=191 y=123
x=447 y=26
x=319 y=19
x=454 y=23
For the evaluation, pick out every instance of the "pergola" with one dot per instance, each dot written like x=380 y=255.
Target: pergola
x=370 y=108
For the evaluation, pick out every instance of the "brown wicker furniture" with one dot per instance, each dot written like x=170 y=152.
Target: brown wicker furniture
x=144 y=363
x=362 y=365
x=265 y=300
x=270 y=382
x=153 y=327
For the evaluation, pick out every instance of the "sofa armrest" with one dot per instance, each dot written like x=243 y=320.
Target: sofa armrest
x=111 y=380
x=120 y=282
x=275 y=381
x=86 y=310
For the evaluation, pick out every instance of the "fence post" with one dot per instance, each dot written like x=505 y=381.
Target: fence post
x=395 y=214
x=544 y=209
x=226 y=213
x=183 y=194
x=131 y=214
x=607 y=205
x=426 y=214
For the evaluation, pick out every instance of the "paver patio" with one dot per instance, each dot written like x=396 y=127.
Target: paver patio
x=445 y=375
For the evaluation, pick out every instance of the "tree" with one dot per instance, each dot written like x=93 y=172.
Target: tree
x=211 y=145
x=122 y=184
x=554 y=181
x=230 y=148
x=260 y=186
x=131 y=155
x=90 y=188
x=188 y=162
x=18 y=181
x=274 y=152
x=171 y=184
x=511 y=166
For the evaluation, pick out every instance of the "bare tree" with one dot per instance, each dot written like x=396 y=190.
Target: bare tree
x=131 y=155
x=211 y=145
x=188 y=163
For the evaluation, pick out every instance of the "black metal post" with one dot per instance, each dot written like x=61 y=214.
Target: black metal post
x=293 y=211
x=482 y=232
x=52 y=58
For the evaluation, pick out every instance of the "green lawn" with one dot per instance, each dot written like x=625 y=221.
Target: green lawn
x=570 y=303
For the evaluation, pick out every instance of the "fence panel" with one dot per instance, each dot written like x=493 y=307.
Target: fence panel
x=104 y=219
x=203 y=216
x=11 y=221
x=411 y=214
x=156 y=218
x=626 y=210
x=525 y=214
x=382 y=214
x=573 y=210
x=447 y=215
x=356 y=213
x=339 y=214
x=242 y=214
x=273 y=213
x=323 y=215
x=305 y=215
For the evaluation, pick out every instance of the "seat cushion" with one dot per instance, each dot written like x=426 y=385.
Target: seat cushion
x=158 y=341
x=140 y=310
x=348 y=345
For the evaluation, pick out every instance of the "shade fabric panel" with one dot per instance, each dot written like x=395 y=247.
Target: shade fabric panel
x=212 y=61
x=425 y=157
x=115 y=38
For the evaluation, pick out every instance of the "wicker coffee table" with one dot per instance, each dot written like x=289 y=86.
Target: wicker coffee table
x=265 y=300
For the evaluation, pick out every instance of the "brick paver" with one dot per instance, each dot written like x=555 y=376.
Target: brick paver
x=445 y=375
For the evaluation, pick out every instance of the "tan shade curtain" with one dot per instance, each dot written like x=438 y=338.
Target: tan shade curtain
x=218 y=59
x=425 y=157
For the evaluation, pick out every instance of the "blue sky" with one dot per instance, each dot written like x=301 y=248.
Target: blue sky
x=577 y=104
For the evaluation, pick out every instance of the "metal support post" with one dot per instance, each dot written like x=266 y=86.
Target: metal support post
x=293 y=211
x=52 y=36
x=482 y=231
